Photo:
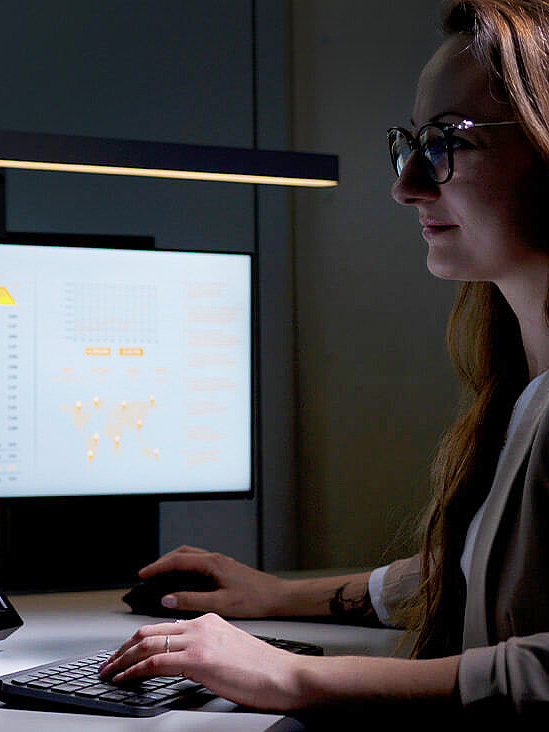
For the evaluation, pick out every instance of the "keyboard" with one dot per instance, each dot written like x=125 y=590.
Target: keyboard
x=75 y=683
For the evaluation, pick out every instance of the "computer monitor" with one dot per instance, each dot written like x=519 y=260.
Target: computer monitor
x=126 y=373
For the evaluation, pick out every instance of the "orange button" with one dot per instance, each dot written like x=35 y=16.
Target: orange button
x=98 y=351
x=131 y=351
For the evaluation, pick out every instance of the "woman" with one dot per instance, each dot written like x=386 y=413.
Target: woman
x=476 y=168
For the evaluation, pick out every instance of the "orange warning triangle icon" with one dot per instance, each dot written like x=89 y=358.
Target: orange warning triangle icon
x=5 y=297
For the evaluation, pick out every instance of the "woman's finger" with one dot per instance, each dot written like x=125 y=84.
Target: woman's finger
x=191 y=561
x=153 y=646
x=134 y=653
x=163 y=664
x=146 y=631
x=185 y=549
x=200 y=602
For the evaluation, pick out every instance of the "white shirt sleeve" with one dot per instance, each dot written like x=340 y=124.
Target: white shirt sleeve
x=375 y=587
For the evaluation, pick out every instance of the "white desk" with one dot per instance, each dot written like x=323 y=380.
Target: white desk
x=62 y=625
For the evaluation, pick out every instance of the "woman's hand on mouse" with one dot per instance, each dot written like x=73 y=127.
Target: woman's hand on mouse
x=242 y=592
x=209 y=650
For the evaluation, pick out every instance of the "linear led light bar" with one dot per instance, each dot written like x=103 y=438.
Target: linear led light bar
x=79 y=154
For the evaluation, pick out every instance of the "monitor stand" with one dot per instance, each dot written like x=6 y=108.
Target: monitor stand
x=84 y=543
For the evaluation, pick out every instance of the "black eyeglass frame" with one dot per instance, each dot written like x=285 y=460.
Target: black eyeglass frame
x=447 y=129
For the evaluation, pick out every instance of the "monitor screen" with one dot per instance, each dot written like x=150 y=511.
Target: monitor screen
x=124 y=372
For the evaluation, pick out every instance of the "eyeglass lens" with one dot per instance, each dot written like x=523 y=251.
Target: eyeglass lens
x=433 y=148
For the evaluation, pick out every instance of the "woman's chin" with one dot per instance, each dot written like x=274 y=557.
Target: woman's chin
x=448 y=273
x=446 y=270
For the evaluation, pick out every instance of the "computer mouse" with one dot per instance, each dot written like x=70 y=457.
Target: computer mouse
x=145 y=597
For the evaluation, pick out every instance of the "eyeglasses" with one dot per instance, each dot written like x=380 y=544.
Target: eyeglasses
x=435 y=143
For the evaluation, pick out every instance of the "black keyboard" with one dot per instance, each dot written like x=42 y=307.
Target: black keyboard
x=75 y=683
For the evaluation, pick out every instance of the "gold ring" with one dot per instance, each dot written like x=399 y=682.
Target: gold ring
x=167 y=644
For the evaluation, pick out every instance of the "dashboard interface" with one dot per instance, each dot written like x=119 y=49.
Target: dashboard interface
x=124 y=371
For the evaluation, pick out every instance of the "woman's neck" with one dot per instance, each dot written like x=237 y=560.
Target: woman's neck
x=528 y=298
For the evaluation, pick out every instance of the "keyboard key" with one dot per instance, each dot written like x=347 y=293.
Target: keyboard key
x=116 y=696
x=180 y=689
x=185 y=684
x=96 y=659
x=22 y=680
x=59 y=677
x=155 y=695
x=153 y=683
x=75 y=674
x=67 y=688
x=145 y=700
x=165 y=693
x=41 y=684
x=93 y=691
x=170 y=680
x=80 y=684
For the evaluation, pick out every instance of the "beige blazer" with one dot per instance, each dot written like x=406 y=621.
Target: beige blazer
x=505 y=660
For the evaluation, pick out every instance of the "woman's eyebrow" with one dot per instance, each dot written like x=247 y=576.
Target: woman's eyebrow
x=442 y=114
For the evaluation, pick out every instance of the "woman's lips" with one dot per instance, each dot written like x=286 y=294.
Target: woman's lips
x=433 y=230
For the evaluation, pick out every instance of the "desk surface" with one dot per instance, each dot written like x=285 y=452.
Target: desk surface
x=62 y=625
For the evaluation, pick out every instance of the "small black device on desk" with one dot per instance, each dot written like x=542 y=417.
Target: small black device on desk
x=9 y=619
x=145 y=598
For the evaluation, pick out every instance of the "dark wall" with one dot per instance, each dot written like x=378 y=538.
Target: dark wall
x=376 y=389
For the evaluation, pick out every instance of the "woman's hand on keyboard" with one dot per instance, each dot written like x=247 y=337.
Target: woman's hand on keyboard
x=243 y=592
x=226 y=660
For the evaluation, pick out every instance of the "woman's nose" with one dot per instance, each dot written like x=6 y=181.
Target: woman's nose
x=414 y=183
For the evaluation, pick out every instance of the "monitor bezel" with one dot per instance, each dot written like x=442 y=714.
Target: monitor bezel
x=148 y=243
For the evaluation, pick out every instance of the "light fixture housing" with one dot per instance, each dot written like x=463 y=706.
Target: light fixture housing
x=111 y=156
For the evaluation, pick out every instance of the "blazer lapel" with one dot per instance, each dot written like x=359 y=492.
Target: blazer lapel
x=475 y=632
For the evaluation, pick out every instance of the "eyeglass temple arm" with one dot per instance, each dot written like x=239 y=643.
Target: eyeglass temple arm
x=466 y=124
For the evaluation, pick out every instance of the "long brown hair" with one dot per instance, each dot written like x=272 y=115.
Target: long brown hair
x=511 y=40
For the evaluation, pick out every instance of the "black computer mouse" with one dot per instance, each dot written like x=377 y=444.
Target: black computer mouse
x=144 y=598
